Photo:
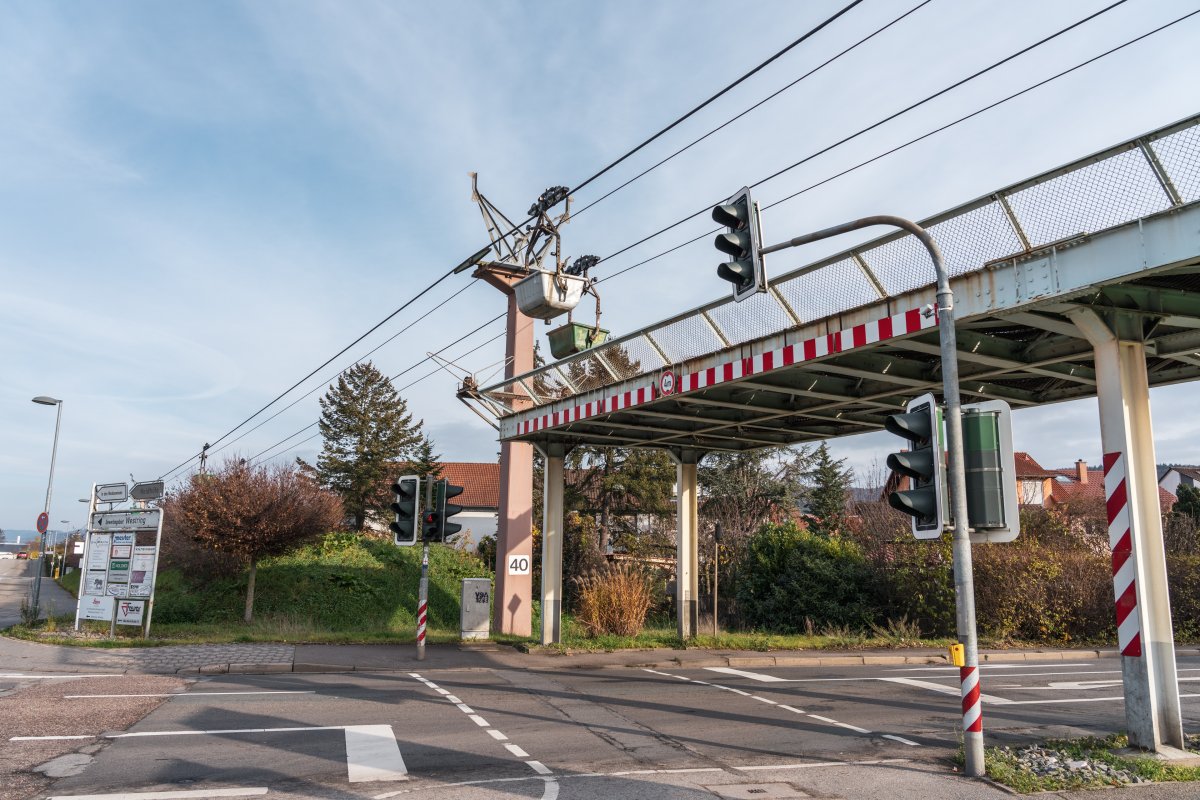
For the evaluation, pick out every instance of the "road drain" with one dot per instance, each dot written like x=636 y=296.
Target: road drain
x=755 y=791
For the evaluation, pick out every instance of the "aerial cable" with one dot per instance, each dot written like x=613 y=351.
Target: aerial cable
x=915 y=140
x=874 y=125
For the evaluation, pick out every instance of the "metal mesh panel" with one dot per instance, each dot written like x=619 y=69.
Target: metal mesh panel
x=687 y=338
x=970 y=240
x=630 y=359
x=1097 y=196
x=757 y=316
x=902 y=264
x=1179 y=154
x=585 y=372
x=837 y=287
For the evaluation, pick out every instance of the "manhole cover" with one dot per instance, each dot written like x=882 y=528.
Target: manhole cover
x=756 y=791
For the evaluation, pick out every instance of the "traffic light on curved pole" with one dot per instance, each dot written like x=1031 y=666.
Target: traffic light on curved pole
x=922 y=464
x=742 y=242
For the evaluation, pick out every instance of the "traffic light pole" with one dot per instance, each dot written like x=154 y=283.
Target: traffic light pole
x=964 y=585
x=423 y=591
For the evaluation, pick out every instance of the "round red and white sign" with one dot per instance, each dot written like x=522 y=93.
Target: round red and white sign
x=666 y=384
x=43 y=522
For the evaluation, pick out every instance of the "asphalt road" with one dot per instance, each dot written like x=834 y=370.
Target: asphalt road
x=15 y=579
x=853 y=732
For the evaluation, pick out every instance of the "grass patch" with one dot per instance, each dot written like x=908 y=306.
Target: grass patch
x=1029 y=769
x=344 y=589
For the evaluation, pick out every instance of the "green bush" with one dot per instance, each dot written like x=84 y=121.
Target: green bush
x=1183 y=576
x=790 y=576
x=916 y=581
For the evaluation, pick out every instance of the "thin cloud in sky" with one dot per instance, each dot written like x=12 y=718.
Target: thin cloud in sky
x=204 y=201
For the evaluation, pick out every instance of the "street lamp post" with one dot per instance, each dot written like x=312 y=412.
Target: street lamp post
x=37 y=576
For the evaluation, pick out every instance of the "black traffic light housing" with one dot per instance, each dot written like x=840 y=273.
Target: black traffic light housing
x=922 y=464
x=408 y=510
x=742 y=242
x=436 y=524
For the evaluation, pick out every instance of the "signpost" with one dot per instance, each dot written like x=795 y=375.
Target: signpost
x=118 y=573
x=112 y=493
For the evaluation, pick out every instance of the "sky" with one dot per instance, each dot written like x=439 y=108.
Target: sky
x=202 y=202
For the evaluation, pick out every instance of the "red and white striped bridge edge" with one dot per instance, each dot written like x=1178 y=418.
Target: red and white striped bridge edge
x=1120 y=538
x=840 y=341
x=972 y=708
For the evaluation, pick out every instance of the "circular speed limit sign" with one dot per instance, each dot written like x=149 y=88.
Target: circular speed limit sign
x=518 y=565
x=666 y=384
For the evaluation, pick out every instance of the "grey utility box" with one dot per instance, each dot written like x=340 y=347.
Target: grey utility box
x=476 y=614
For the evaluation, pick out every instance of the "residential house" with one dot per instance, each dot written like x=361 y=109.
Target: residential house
x=480 y=498
x=1178 y=475
x=1083 y=484
x=1034 y=482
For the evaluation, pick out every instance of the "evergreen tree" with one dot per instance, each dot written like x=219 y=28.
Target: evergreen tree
x=744 y=490
x=426 y=463
x=828 y=493
x=619 y=484
x=367 y=428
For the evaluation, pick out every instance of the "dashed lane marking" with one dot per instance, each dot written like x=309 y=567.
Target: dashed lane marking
x=180 y=694
x=792 y=709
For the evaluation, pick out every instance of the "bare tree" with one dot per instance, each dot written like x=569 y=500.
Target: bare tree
x=252 y=512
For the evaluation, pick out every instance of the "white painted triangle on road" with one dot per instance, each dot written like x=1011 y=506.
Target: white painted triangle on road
x=756 y=676
x=373 y=755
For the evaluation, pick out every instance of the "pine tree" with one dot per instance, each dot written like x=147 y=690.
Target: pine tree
x=829 y=492
x=426 y=463
x=367 y=428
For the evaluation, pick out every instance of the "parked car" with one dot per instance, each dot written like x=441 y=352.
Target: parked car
x=7 y=554
x=22 y=554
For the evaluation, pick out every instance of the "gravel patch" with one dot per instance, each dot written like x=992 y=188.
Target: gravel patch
x=1050 y=763
x=39 y=709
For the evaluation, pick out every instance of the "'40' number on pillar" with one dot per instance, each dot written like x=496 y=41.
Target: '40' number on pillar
x=518 y=565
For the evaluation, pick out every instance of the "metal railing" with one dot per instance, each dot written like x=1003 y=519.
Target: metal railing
x=1151 y=173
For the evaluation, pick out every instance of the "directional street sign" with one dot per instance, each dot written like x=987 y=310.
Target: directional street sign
x=147 y=490
x=126 y=520
x=112 y=493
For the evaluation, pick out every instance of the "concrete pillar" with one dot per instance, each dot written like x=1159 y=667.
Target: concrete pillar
x=1152 y=711
x=552 y=545
x=514 y=537
x=687 y=565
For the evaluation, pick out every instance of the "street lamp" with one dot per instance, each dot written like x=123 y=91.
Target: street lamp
x=43 y=400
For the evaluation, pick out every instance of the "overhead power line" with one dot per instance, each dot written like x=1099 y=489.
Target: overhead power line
x=483 y=251
x=915 y=140
x=874 y=125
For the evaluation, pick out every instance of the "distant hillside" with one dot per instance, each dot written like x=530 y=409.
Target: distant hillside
x=12 y=536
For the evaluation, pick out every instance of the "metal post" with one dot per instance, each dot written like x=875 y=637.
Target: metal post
x=87 y=548
x=716 y=571
x=687 y=586
x=154 y=574
x=552 y=545
x=37 y=576
x=423 y=592
x=964 y=587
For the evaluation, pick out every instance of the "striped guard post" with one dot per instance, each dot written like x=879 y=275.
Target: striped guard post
x=422 y=610
x=972 y=708
x=1120 y=538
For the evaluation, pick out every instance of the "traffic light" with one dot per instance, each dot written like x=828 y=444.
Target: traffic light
x=993 y=511
x=922 y=465
x=436 y=524
x=741 y=241
x=407 y=508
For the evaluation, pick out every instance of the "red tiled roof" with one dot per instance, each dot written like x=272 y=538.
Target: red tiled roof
x=480 y=482
x=1028 y=468
x=1067 y=491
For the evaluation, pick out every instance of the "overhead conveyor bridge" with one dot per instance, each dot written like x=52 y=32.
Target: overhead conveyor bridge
x=1081 y=282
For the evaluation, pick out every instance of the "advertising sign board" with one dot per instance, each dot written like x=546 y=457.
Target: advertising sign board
x=100 y=608
x=95 y=582
x=129 y=612
x=141 y=572
x=97 y=556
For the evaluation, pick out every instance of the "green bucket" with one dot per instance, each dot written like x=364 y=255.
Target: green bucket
x=574 y=338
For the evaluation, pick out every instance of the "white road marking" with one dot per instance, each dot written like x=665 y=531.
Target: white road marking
x=1076 y=700
x=763 y=700
x=789 y=708
x=480 y=721
x=373 y=755
x=516 y=750
x=140 y=734
x=179 y=694
x=1025 y=665
x=940 y=689
x=538 y=767
x=175 y=795
x=69 y=675
x=466 y=709
x=825 y=764
x=901 y=739
x=497 y=735
x=453 y=699
x=756 y=676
